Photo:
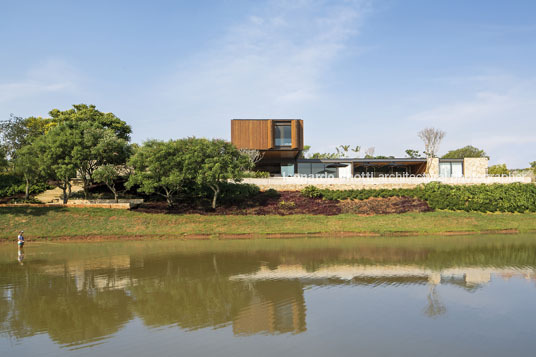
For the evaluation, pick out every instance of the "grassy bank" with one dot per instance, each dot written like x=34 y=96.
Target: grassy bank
x=58 y=222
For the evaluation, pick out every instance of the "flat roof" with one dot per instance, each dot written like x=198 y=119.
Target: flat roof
x=362 y=160
x=267 y=119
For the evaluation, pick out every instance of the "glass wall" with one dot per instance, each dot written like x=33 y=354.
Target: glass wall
x=450 y=169
x=287 y=170
x=316 y=169
x=282 y=134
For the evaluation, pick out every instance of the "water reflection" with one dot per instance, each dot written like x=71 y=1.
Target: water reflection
x=84 y=293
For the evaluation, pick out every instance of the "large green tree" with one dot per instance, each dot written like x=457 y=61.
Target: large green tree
x=89 y=114
x=218 y=161
x=26 y=164
x=466 y=151
x=96 y=146
x=55 y=153
x=162 y=168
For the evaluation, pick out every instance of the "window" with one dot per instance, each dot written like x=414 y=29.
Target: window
x=287 y=170
x=450 y=169
x=316 y=169
x=282 y=134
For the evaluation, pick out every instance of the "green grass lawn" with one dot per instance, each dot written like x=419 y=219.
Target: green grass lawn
x=59 y=222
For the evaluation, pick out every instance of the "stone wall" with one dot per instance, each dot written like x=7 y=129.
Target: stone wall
x=475 y=166
x=298 y=183
x=432 y=167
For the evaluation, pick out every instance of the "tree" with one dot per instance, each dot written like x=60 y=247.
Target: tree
x=89 y=113
x=163 y=168
x=108 y=174
x=55 y=154
x=254 y=155
x=13 y=135
x=321 y=155
x=17 y=132
x=304 y=151
x=26 y=164
x=498 y=170
x=96 y=146
x=369 y=153
x=466 y=151
x=413 y=154
x=3 y=158
x=219 y=161
x=533 y=166
x=432 y=139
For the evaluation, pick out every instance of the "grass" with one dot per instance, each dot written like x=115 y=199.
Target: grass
x=59 y=222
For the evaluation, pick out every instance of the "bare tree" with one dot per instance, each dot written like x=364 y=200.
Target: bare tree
x=369 y=153
x=432 y=138
x=254 y=155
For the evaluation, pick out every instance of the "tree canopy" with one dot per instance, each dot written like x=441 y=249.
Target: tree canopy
x=466 y=151
x=162 y=168
x=218 y=161
x=55 y=150
x=89 y=113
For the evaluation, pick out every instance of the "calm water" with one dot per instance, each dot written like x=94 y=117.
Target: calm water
x=433 y=296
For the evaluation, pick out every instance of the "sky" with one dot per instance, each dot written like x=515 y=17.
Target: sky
x=367 y=73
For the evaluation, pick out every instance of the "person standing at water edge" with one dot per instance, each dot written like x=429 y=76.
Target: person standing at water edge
x=20 y=239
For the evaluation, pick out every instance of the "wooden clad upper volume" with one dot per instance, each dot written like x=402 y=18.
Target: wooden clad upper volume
x=259 y=133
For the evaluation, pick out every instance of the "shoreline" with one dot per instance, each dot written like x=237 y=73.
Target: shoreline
x=249 y=236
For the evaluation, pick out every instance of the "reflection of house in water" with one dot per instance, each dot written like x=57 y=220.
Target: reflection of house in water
x=276 y=307
x=467 y=277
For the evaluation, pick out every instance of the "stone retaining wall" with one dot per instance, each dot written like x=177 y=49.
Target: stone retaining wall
x=298 y=183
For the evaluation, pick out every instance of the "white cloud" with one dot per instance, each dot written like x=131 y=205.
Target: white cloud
x=272 y=64
x=501 y=119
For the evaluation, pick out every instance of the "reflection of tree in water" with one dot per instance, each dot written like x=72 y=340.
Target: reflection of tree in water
x=435 y=306
x=69 y=316
x=193 y=289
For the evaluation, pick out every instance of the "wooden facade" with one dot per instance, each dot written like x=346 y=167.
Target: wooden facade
x=259 y=134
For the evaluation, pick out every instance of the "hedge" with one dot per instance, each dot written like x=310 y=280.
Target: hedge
x=514 y=197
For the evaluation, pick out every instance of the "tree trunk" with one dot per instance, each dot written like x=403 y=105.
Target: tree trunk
x=65 y=196
x=27 y=191
x=169 y=200
x=70 y=187
x=216 y=190
x=116 y=196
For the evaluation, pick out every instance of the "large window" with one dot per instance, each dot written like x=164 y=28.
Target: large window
x=450 y=169
x=316 y=169
x=282 y=134
x=287 y=170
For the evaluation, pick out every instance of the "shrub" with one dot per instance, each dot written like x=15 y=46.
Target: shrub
x=313 y=192
x=256 y=174
x=232 y=193
x=271 y=193
x=515 y=197
x=287 y=204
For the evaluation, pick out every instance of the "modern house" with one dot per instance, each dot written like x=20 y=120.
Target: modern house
x=280 y=141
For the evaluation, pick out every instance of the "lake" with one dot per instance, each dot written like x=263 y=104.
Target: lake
x=396 y=296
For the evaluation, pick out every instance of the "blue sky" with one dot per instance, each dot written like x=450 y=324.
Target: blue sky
x=368 y=73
